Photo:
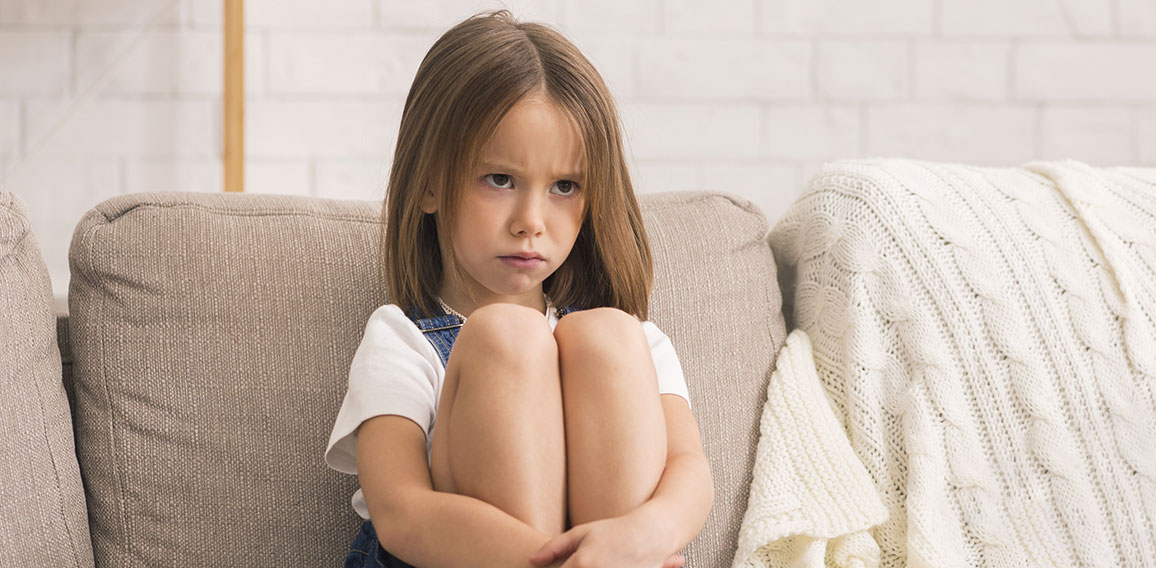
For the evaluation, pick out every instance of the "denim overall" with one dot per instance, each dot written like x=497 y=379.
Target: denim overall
x=441 y=331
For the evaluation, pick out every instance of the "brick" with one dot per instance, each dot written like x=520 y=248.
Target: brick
x=1146 y=136
x=9 y=129
x=34 y=62
x=289 y=13
x=261 y=176
x=769 y=186
x=1026 y=17
x=662 y=131
x=813 y=132
x=658 y=177
x=106 y=128
x=443 y=14
x=703 y=16
x=282 y=129
x=1102 y=136
x=724 y=69
x=171 y=62
x=612 y=16
x=1055 y=71
x=615 y=59
x=859 y=70
x=281 y=177
x=350 y=63
x=58 y=193
x=953 y=70
x=991 y=135
x=1138 y=18
x=848 y=17
x=89 y=12
x=203 y=175
x=366 y=179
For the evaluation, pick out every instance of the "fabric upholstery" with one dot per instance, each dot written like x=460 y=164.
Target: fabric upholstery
x=717 y=297
x=212 y=334
x=42 y=509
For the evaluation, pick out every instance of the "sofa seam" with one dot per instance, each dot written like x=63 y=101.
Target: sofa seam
x=91 y=243
x=56 y=473
x=237 y=213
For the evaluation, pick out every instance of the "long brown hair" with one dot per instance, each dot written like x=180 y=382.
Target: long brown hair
x=466 y=84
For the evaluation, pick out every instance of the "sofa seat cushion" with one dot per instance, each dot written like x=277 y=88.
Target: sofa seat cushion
x=41 y=498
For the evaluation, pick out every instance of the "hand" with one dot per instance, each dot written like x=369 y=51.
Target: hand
x=609 y=542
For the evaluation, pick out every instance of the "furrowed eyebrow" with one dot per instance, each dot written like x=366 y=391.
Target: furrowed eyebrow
x=499 y=167
x=488 y=165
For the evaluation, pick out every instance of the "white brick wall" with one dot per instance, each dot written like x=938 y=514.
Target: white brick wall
x=105 y=97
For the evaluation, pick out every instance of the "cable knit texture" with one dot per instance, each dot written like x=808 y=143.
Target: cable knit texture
x=811 y=500
x=988 y=340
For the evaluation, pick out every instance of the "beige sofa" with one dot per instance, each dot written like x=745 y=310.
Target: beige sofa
x=205 y=354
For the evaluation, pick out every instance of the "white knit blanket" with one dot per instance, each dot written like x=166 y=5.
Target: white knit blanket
x=811 y=500
x=987 y=338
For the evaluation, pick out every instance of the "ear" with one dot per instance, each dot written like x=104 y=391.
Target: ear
x=429 y=202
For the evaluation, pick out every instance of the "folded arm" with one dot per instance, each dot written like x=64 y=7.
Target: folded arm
x=665 y=523
x=424 y=527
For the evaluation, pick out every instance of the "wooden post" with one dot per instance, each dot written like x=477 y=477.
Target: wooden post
x=234 y=95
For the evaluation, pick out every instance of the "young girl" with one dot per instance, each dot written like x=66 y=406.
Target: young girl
x=555 y=425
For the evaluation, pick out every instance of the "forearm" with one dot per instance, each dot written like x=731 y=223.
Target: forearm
x=677 y=511
x=435 y=529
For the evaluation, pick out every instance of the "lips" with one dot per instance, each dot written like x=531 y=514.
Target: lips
x=523 y=260
x=525 y=255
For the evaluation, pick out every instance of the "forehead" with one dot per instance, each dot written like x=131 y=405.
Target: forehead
x=536 y=134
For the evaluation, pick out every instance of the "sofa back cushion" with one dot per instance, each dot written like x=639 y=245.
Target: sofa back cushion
x=41 y=497
x=212 y=336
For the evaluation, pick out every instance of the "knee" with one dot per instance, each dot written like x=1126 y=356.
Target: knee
x=507 y=331
x=599 y=331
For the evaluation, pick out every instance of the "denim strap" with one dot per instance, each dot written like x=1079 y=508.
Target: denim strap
x=442 y=329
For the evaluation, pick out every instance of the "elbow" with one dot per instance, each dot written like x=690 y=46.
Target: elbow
x=392 y=521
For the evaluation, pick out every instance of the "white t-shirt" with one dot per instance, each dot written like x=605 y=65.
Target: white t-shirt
x=396 y=371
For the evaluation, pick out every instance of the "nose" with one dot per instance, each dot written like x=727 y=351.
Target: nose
x=527 y=219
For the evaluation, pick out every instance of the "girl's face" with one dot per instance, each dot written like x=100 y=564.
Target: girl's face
x=521 y=212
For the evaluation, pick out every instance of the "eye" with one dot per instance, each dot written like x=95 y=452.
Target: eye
x=564 y=187
x=501 y=181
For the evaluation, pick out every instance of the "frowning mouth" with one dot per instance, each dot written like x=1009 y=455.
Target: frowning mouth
x=528 y=255
x=523 y=260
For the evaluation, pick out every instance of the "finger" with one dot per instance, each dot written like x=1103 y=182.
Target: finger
x=675 y=561
x=557 y=547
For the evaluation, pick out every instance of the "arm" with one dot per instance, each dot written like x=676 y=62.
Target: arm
x=424 y=527
x=679 y=507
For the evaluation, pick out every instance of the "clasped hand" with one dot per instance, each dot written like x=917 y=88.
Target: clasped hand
x=608 y=542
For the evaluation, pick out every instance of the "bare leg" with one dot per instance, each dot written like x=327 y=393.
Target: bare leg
x=615 y=427
x=499 y=433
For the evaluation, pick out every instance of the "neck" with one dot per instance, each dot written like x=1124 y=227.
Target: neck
x=465 y=305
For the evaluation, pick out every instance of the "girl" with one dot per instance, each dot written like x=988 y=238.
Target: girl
x=555 y=425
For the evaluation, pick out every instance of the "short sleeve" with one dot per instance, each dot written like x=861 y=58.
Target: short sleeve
x=394 y=371
x=666 y=363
